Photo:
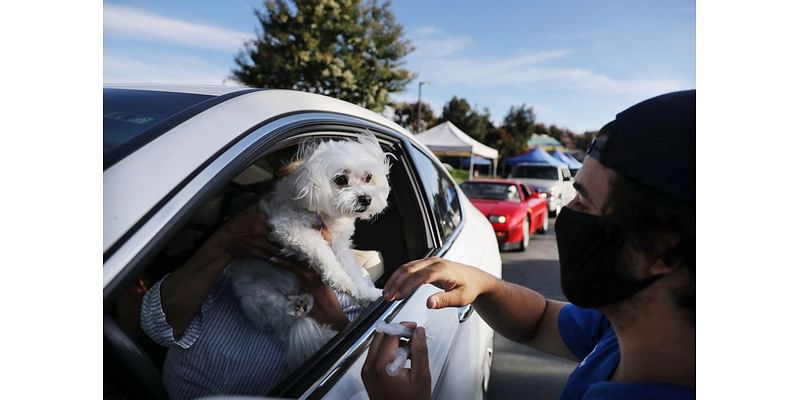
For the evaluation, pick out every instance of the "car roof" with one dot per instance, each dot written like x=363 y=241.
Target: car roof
x=137 y=183
x=210 y=90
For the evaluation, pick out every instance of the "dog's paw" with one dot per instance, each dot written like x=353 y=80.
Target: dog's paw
x=370 y=294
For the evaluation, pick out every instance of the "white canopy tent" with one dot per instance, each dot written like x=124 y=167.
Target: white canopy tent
x=446 y=139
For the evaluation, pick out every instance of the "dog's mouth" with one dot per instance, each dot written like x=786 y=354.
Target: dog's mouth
x=360 y=208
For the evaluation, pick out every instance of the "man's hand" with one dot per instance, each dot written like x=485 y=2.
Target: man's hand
x=414 y=383
x=244 y=235
x=462 y=284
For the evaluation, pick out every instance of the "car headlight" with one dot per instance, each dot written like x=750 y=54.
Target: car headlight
x=500 y=219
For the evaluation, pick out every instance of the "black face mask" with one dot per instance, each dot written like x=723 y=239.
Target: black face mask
x=589 y=252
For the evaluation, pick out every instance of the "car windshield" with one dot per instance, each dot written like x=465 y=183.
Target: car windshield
x=535 y=172
x=492 y=191
x=129 y=114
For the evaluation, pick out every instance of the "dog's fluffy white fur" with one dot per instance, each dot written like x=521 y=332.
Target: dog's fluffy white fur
x=332 y=183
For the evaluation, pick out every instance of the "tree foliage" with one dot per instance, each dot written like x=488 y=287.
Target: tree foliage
x=348 y=49
x=472 y=122
x=518 y=127
x=405 y=115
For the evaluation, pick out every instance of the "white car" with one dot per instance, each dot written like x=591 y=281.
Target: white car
x=555 y=182
x=178 y=160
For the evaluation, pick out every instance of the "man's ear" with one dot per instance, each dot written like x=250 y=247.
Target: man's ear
x=671 y=256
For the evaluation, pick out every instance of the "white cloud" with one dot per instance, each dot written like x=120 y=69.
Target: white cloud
x=430 y=42
x=440 y=58
x=131 y=23
x=424 y=30
x=176 y=68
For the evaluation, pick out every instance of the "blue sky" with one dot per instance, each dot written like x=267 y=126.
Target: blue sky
x=577 y=63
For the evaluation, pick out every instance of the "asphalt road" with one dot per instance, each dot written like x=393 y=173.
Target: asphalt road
x=518 y=371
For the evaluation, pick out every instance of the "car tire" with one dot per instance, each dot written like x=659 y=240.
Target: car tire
x=526 y=235
x=545 y=224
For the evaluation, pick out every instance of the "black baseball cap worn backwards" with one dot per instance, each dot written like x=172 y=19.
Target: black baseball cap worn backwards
x=653 y=143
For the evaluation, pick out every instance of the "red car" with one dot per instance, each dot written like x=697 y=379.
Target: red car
x=514 y=210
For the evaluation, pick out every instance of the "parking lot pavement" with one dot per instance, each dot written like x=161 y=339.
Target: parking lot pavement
x=519 y=371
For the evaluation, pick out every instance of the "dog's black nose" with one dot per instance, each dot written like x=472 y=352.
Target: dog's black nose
x=364 y=200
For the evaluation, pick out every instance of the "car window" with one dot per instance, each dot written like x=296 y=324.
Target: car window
x=535 y=172
x=492 y=191
x=130 y=113
x=525 y=191
x=382 y=244
x=440 y=192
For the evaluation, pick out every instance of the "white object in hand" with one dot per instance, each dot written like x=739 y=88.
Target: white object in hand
x=394 y=329
x=400 y=357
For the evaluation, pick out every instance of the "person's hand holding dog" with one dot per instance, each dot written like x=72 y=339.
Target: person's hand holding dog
x=246 y=235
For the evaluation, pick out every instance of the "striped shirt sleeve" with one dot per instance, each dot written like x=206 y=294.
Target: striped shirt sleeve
x=350 y=306
x=154 y=321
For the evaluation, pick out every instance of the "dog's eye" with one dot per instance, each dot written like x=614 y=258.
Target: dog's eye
x=340 y=180
x=368 y=178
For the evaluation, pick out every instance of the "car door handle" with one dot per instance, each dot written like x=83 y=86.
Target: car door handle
x=465 y=312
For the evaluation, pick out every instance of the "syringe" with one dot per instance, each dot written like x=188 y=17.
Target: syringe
x=401 y=354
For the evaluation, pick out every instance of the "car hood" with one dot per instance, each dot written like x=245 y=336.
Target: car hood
x=496 y=207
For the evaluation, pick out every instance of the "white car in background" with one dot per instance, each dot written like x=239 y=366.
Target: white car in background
x=178 y=160
x=555 y=182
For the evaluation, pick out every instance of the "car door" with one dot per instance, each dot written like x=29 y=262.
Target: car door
x=334 y=371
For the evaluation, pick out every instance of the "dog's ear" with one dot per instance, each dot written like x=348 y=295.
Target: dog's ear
x=305 y=149
x=309 y=178
x=368 y=139
x=305 y=188
x=289 y=168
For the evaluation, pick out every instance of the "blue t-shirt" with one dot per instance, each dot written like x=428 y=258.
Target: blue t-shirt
x=589 y=336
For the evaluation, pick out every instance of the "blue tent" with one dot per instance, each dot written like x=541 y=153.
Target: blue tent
x=571 y=157
x=571 y=162
x=536 y=156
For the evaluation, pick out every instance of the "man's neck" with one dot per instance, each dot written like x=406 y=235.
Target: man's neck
x=656 y=345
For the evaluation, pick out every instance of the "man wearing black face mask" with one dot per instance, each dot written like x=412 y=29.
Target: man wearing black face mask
x=626 y=246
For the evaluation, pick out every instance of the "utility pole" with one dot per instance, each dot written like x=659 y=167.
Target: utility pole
x=419 y=103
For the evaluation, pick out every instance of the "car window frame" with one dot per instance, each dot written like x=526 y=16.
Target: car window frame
x=385 y=310
x=525 y=192
x=130 y=259
x=441 y=171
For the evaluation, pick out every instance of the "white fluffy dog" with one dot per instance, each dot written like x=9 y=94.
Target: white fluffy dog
x=333 y=183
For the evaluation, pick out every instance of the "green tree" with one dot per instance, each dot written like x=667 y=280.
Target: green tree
x=519 y=124
x=582 y=141
x=348 y=49
x=472 y=122
x=555 y=132
x=405 y=115
x=540 y=129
